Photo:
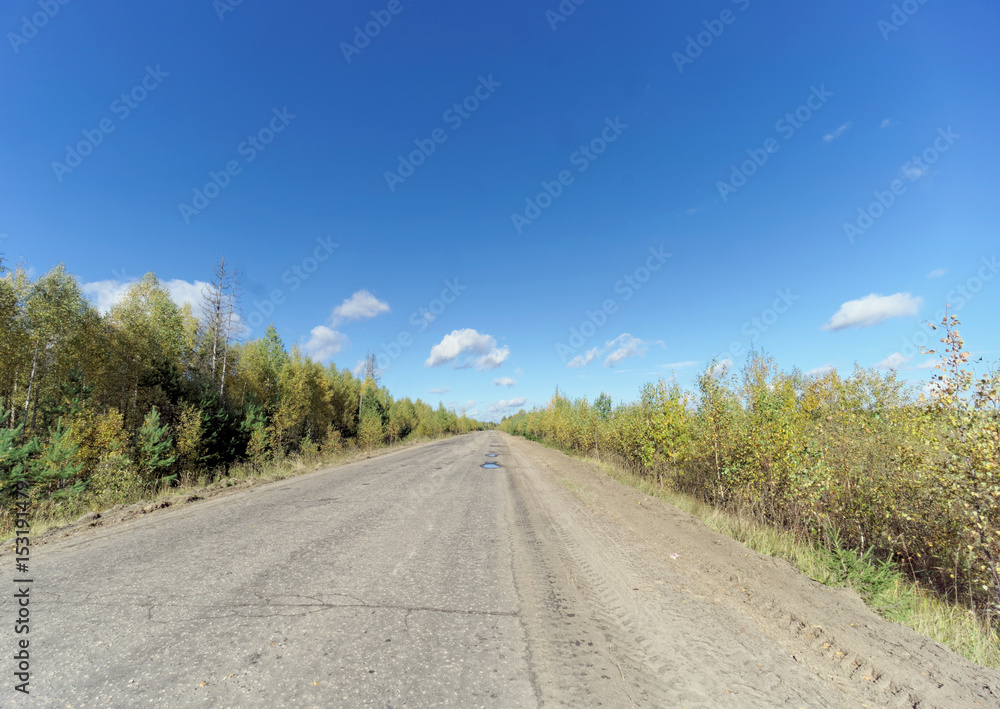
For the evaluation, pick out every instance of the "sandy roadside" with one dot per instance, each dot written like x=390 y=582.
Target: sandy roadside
x=697 y=619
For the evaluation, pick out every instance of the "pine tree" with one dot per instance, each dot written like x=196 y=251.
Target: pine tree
x=154 y=444
x=14 y=456
x=56 y=466
x=255 y=427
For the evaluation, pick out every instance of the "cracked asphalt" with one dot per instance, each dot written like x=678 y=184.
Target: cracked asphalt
x=382 y=583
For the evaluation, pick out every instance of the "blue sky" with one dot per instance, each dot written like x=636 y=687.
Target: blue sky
x=559 y=158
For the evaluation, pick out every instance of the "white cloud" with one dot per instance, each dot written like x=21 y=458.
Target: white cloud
x=621 y=348
x=323 y=343
x=913 y=172
x=820 y=371
x=888 y=122
x=440 y=390
x=507 y=404
x=493 y=359
x=897 y=361
x=106 y=294
x=472 y=414
x=182 y=292
x=360 y=305
x=584 y=359
x=465 y=348
x=458 y=406
x=830 y=137
x=358 y=368
x=519 y=372
x=937 y=273
x=894 y=361
x=722 y=368
x=872 y=310
x=626 y=346
x=679 y=365
x=504 y=382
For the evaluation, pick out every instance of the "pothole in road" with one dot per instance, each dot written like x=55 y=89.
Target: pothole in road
x=490 y=465
x=492 y=455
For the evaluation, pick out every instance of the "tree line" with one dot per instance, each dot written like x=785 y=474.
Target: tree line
x=94 y=404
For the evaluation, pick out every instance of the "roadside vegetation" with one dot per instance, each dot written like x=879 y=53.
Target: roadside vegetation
x=857 y=480
x=99 y=409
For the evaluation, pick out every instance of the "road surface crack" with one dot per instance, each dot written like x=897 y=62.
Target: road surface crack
x=240 y=610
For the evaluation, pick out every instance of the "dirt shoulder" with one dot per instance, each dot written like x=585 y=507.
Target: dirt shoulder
x=686 y=582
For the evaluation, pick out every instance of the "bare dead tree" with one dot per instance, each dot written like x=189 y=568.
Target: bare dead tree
x=220 y=301
x=369 y=370
x=232 y=299
x=211 y=310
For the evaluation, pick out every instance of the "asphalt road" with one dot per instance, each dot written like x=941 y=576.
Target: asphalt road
x=413 y=579
x=384 y=583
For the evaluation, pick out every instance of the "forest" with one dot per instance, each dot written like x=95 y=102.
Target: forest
x=862 y=462
x=96 y=407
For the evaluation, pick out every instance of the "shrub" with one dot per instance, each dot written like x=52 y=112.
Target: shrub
x=860 y=464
